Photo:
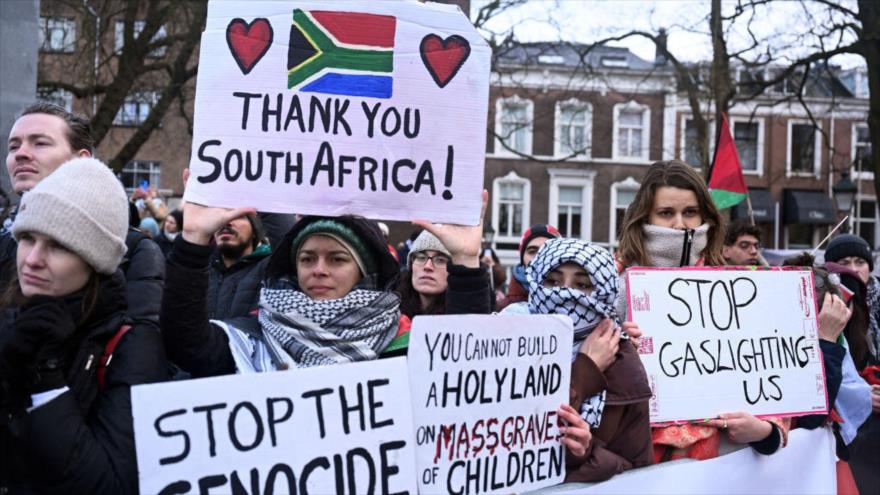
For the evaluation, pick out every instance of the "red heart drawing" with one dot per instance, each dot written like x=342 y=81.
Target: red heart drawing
x=443 y=58
x=248 y=42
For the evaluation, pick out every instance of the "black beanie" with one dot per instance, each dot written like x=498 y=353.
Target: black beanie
x=846 y=245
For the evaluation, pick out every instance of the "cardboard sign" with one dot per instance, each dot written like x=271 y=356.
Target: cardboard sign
x=344 y=428
x=341 y=107
x=485 y=391
x=805 y=466
x=722 y=340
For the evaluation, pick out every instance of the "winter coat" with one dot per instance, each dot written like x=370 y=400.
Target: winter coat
x=203 y=349
x=8 y=250
x=623 y=439
x=235 y=290
x=144 y=268
x=82 y=441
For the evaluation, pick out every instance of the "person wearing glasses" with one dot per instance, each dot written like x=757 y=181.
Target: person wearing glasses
x=742 y=244
x=433 y=285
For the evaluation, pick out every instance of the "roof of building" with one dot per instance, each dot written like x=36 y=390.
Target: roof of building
x=571 y=55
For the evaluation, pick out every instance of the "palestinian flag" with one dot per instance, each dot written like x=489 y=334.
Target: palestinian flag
x=341 y=53
x=726 y=183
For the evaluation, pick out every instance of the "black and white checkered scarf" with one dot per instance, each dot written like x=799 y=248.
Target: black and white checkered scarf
x=356 y=327
x=586 y=312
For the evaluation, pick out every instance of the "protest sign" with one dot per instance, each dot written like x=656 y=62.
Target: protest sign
x=344 y=429
x=728 y=340
x=341 y=107
x=805 y=466
x=485 y=391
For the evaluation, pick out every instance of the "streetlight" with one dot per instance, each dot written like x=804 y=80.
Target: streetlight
x=844 y=194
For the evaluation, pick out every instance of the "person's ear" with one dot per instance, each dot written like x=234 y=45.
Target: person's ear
x=83 y=153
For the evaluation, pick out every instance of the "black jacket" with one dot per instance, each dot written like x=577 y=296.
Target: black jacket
x=144 y=268
x=203 y=350
x=8 y=249
x=83 y=440
x=235 y=291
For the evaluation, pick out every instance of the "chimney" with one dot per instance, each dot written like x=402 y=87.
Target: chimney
x=660 y=48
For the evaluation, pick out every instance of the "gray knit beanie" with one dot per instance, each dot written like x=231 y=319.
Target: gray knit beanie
x=426 y=241
x=83 y=207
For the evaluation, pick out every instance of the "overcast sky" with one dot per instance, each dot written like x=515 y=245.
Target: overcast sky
x=589 y=20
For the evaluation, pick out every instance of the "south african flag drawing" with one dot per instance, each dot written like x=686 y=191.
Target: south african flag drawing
x=341 y=53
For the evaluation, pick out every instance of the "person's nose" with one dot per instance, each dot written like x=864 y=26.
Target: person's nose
x=678 y=222
x=321 y=268
x=36 y=257
x=24 y=152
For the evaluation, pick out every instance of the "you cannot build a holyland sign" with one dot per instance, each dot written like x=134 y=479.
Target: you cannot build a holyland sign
x=341 y=107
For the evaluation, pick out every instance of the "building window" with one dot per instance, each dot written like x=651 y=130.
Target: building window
x=137 y=171
x=803 y=149
x=865 y=221
x=622 y=195
x=59 y=97
x=801 y=236
x=691 y=144
x=138 y=26
x=574 y=122
x=57 y=34
x=861 y=152
x=747 y=136
x=510 y=205
x=136 y=108
x=631 y=131
x=571 y=202
x=514 y=122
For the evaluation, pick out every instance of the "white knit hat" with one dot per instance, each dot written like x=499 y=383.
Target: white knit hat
x=84 y=208
x=426 y=241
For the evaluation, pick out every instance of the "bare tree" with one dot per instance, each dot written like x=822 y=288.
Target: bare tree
x=128 y=47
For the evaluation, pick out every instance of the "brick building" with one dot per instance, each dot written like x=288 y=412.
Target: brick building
x=571 y=132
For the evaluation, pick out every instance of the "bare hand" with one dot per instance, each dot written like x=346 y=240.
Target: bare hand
x=742 y=427
x=632 y=329
x=202 y=221
x=833 y=317
x=462 y=241
x=875 y=398
x=138 y=193
x=602 y=344
x=576 y=435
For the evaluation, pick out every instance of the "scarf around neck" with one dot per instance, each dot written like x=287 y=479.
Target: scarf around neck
x=356 y=327
x=585 y=311
x=873 y=300
x=667 y=247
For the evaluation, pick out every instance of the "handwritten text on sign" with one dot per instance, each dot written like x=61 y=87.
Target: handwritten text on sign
x=485 y=392
x=319 y=430
x=728 y=340
x=370 y=108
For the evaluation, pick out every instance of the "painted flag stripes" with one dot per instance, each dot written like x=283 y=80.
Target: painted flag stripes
x=341 y=53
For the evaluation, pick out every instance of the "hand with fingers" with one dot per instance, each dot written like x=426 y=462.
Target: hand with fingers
x=202 y=221
x=462 y=241
x=575 y=431
x=632 y=329
x=833 y=317
x=742 y=427
x=602 y=344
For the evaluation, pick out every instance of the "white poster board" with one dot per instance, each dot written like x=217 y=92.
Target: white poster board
x=372 y=108
x=805 y=466
x=485 y=391
x=722 y=340
x=289 y=432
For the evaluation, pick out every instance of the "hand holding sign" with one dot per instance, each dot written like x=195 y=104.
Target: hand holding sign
x=462 y=241
x=742 y=427
x=833 y=317
x=577 y=434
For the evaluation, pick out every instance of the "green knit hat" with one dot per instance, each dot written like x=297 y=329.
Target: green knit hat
x=352 y=242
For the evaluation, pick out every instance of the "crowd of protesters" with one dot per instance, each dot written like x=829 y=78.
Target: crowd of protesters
x=201 y=291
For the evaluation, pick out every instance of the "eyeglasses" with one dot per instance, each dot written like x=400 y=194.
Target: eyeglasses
x=437 y=259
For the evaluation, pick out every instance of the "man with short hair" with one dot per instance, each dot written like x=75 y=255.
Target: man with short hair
x=44 y=137
x=742 y=245
x=237 y=268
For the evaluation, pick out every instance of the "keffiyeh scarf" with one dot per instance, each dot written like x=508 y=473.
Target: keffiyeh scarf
x=356 y=327
x=586 y=312
x=873 y=317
